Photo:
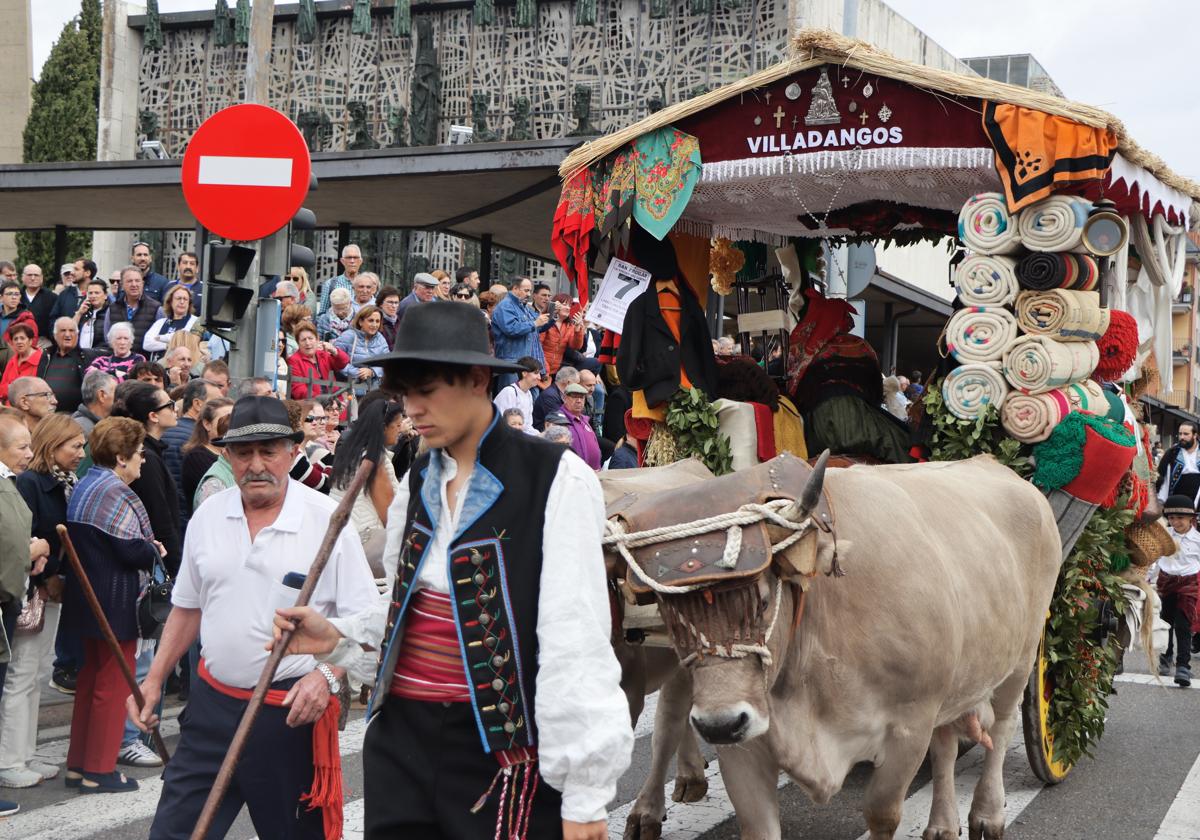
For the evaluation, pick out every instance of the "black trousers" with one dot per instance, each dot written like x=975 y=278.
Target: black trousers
x=1181 y=632
x=275 y=769
x=423 y=769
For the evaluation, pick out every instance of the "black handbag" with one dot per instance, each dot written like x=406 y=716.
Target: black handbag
x=153 y=606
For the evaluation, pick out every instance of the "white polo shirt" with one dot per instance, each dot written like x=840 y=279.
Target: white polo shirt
x=237 y=585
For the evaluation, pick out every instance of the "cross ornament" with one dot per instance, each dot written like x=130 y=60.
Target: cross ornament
x=767 y=96
x=779 y=115
x=863 y=116
x=845 y=81
x=795 y=122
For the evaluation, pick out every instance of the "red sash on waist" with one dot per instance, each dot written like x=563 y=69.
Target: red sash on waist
x=326 y=792
x=429 y=665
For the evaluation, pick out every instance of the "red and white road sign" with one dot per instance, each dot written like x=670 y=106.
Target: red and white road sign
x=246 y=172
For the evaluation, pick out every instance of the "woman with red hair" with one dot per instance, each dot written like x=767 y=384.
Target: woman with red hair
x=567 y=330
x=21 y=336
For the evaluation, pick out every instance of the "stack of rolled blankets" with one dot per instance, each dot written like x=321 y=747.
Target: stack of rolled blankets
x=1025 y=337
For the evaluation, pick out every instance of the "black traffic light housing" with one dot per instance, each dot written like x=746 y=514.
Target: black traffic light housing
x=280 y=253
x=227 y=294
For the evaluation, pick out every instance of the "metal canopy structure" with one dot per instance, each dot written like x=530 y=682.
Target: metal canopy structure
x=505 y=191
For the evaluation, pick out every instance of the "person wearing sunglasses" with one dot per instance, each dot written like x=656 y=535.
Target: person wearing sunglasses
x=299 y=278
x=462 y=293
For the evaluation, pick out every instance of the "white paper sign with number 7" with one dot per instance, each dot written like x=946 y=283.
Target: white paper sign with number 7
x=621 y=286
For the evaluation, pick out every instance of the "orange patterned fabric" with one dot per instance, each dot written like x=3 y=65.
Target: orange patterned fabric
x=1039 y=153
x=574 y=221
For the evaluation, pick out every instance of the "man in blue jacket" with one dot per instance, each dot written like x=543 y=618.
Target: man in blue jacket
x=516 y=327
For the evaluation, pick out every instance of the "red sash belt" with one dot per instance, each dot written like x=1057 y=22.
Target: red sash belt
x=429 y=665
x=326 y=792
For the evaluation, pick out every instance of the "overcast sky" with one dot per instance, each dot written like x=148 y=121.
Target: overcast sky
x=1131 y=58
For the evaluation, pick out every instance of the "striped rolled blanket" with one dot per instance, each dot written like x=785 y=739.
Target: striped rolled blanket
x=1031 y=417
x=980 y=333
x=1035 y=364
x=985 y=280
x=968 y=390
x=1042 y=272
x=985 y=227
x=1062 y=314
x=1054 y=223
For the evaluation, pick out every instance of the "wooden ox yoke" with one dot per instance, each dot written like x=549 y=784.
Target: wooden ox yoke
x=696 y=561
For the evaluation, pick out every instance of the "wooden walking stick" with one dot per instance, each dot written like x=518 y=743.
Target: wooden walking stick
x=89 y=595
x=337 y=521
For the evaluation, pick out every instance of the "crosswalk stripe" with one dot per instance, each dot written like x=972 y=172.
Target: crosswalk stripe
x=1182 y=821
x=83 y=815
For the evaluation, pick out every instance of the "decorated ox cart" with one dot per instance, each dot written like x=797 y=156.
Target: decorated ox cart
x=1068 y=247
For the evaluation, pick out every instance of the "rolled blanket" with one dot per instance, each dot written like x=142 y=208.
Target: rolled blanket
x=980 y=333
x=1035 y=364
x=1030 y=418
x=1054 y=223
x=985 y=280
x=1062 y=314
x=985 y=227
x=968 y=390
x=1042 y=272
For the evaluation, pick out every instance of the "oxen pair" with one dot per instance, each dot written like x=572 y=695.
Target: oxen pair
x=790 y=665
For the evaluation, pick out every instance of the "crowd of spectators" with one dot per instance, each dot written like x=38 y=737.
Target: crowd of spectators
x=115 y=402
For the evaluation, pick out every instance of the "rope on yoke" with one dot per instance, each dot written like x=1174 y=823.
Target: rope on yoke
x=731 y=522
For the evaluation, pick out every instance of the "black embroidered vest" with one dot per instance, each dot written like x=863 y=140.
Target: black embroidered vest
x=495 y=566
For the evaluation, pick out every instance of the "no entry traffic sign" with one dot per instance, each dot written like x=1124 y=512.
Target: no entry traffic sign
x=245 y=172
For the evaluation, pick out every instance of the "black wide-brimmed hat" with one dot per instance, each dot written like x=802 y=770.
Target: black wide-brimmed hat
x=1179 y=505
x=443 y=332
x=255 y=419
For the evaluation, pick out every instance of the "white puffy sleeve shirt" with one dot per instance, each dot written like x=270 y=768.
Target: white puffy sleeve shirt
x=582 y=717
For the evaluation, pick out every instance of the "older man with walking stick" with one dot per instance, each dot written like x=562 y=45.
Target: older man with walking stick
x=247 y=552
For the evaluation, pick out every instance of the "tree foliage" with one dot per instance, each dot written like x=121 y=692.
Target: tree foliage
x=62 y=121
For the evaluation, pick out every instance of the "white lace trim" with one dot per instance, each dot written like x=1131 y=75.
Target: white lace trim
x=761 y=198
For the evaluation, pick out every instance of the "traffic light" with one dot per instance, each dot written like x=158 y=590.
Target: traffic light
x=280 y=253
x=228 y=289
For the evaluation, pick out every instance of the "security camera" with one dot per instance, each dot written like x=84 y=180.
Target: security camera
x=153 y=150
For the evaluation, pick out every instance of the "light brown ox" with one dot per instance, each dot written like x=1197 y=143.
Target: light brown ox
x=949 y=571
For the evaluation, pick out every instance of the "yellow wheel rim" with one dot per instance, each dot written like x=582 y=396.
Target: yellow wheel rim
x=1058 y=769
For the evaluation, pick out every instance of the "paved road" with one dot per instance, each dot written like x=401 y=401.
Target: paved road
x=1144 y=784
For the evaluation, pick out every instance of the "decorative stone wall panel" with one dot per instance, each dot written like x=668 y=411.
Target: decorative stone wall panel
x=627 y=59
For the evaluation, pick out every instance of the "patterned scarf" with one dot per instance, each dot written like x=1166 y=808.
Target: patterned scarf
x=104 y=501
x=66 y=478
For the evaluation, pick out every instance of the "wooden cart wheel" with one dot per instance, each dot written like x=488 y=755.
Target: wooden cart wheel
x=1035 y=720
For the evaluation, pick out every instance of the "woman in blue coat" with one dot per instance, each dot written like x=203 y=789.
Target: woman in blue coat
x=363 y=341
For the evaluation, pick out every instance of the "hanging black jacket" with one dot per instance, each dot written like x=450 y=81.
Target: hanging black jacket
x=649 y=357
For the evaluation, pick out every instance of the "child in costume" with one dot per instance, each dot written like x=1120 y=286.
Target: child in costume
x=1179 y=588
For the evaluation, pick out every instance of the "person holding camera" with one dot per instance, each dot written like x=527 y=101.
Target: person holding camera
x=89 y=315
x=566 y=332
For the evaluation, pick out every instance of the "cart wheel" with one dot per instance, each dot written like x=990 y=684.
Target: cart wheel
x=1035 y=719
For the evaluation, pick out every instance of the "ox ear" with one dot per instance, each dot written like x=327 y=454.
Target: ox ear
x=814 y=553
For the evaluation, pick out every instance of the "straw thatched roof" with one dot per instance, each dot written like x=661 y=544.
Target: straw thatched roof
x=814 y=47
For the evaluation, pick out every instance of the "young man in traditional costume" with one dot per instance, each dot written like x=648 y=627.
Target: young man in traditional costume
x=1179 y=588
x=497 y=709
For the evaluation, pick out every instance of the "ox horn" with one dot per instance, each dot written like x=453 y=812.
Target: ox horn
x=811 y=495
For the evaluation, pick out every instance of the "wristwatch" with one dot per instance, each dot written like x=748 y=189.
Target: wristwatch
x=335 y=685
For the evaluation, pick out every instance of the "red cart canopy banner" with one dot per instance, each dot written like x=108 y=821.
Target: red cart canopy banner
x=830 y=108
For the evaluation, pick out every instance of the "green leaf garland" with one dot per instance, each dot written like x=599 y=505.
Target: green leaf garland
x=692 y=421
